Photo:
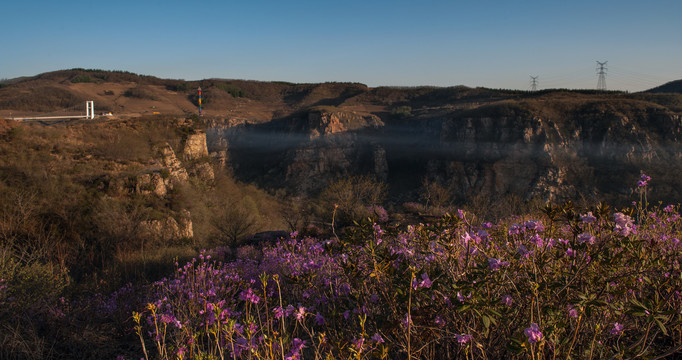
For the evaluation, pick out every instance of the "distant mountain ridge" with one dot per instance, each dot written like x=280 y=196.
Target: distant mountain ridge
x=124 y=92
x=670 y=87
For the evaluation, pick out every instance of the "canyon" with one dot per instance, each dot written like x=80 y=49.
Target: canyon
x=553 y=145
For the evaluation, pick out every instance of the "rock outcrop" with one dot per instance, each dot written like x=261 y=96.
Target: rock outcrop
x=168 y=229
x=195 y=146
x=321 y=122
x=152 y=183
x=171 y=163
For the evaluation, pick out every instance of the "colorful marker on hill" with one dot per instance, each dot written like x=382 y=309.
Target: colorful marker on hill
x=199 y=100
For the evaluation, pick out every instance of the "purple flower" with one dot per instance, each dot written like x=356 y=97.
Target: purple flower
x=496 y=264
x=515 y=229
x=617 y=329
x=358 y=343
x=300 y=313
x=588 y=218
x=407 y=320
x=537 y=240
x=572 y=311
x=623 y=224
x=424 y=283
x=586 y=238
x=439 y=321
x=463 y=338
x=249 y=296
x=169 y=319
x=643 y=180
x=297 y=345
x=534 y=225
x=507 y=300
x=466 y=238
x=377 y=338
x=533 y=333
x=319 y=319
x=166 y=319
x=278 y=311
x=524 y=252
x=570 y=252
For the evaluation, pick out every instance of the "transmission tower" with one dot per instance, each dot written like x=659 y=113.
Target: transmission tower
x=534 y=83
x=601 y=72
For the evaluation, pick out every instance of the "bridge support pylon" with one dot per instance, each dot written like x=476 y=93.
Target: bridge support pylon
x=90 y=109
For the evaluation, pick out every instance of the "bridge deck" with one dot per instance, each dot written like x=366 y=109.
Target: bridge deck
x=49 y=117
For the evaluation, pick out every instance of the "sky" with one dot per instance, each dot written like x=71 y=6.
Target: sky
x=496 y=44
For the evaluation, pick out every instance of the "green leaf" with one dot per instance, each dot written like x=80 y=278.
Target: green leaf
x=463 y=308
x=662 y=327
x=486 y=321
x=495 y=312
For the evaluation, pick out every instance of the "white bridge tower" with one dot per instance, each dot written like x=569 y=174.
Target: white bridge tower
x=90 y=109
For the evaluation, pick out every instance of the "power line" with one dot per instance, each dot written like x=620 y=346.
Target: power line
x=601 y=71
x=533 y=83
x=578 y=78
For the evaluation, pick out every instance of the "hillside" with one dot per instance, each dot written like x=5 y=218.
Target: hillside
x=474 y=142
x=671 y=87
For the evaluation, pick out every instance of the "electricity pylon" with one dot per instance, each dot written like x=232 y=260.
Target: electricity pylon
x=601 y=71
x=534 y=83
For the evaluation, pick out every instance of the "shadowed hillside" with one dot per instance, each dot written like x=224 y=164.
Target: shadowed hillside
x=671 y=87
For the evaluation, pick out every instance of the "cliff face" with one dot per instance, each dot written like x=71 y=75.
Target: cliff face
x=574 y=154
x=550 y=150
x=195 y=146
x=321 y=122
x=159 y=179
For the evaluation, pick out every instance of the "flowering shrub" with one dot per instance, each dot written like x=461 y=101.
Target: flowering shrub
x=572 y=284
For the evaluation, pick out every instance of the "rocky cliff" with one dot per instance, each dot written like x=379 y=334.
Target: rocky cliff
x=550 y=144
x=158 y=179
x=547 y=147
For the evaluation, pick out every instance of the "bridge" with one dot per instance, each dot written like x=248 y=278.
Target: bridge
x=89 y=113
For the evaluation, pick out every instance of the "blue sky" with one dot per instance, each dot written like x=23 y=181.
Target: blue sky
x=487 y=43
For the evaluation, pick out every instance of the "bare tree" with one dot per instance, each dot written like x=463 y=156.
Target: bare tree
x=351 y=196
x=296 y=213
x=236 y=219
x=435 y=194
